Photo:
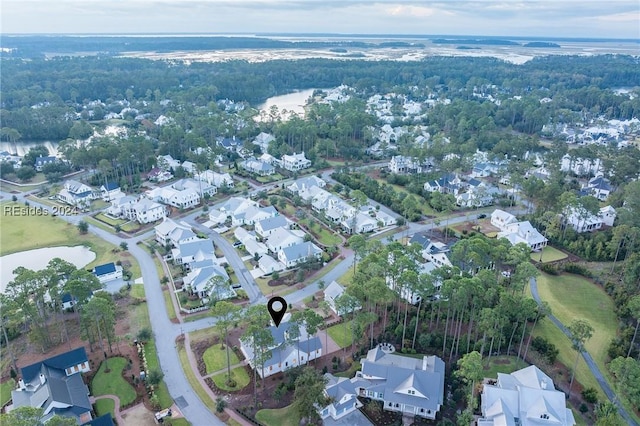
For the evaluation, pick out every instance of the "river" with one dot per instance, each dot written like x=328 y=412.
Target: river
x=291 y=102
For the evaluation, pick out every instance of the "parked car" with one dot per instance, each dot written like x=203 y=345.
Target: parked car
x=482 y=216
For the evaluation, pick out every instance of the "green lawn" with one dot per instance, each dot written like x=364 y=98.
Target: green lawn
x=351 y=372
x=549 y=254
x=108 y=220
x=112 y=383
x=171 y=310
x=216 y=359
x=278 y=417
x=104 y=406
x=193 y=381
x=137 y=291
x=5 y=391
x=20 y=233
x=502 y=364
x=571 y=297
x=239 y=374
x=345 y=279
x=162 y=391
x=341 y=334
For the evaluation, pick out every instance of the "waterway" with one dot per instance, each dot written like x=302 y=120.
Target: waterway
x=287 y=104
x=38 y=259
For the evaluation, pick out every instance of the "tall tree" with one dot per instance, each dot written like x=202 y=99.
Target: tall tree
x=470 y=370
x=581 y=331
x=227 y=315
x=258 y=337
x=309 y=394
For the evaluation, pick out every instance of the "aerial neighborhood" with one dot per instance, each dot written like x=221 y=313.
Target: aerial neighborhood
x=456 y=240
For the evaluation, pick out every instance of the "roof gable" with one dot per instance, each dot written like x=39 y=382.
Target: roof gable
x=62 y=361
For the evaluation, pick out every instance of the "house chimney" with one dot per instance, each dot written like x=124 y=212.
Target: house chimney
x=42 y=379
x=543 y=384
x=21 y=385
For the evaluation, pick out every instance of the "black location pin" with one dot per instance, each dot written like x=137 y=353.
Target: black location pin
x=277 y=312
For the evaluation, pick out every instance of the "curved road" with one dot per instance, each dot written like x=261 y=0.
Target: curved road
x=587 y=358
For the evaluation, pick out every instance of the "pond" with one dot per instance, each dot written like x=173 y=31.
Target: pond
x=292 y=102
x=38 y=259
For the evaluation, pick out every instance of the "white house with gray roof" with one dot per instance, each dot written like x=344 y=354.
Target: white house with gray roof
x=526 y=397
x=193 y=251
x=344 y=396
x=258 y=167
x=411 y=386
x=299 y=253
x=201 y=281
x=282 y=237
x=286 y=353
x=174 y=233
x=266 y=227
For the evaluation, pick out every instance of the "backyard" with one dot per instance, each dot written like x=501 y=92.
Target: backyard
x=215 y=358
x=341 y=334
x=110 y=381
x=278 y=417
x=549 y=254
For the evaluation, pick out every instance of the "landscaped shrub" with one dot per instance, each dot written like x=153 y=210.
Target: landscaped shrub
x=590 y=395
x=545 y=348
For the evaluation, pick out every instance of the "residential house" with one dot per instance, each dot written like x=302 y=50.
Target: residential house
x=331 y=293
x=581 y=166
x=282 y=237
x=253 y=214
x=158 y=175
x=583 y=221
x=295 y=162
x=235 y=206
x=299 y=253
x=170 y=232
x=189 y=167
x=436 y=252
x=200 y=281
x=120 y=205
x=42 y=161
x=269 y=265
x=216 y=179
x=181 y=195
x=500 y=218
x=108 y=272
x=263 y=140
x=448 y=184
x=144 y=211
x=76 y=194
x=400 y=164
x=359 y=223
x=265 y=227
x=230 y=144
x=343 y=394
x=483 y=169
x=599 y=187
x=167 y=163
x=523 y=232
x=524 y=397
x=55 y=385
x=193 y=251
x=478 y=194
x=413 y=387
x=111 y=191
x=257 y=167
x=305 y=183
x=287 y=352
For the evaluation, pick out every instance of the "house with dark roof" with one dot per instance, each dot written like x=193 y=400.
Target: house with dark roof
x=108 y=272
x=110 y=191
x=598 y=187
x=76 y=194
x=287 y=352
x=447 y=184
x=42 y=161
x=55 y=386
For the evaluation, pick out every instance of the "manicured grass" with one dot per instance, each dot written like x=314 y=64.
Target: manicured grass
x=278 y=417
x=346 y=279
x=104 y=406
x=265 y=288
x=341 y=334
x=239 y=374
x=112 y=383
x=108 y=220
x=202 y=334
x=502 y=364
x=216 y=359
x=5 y=391
x=138 y=317
x=193 y=381
x=180 y=421
x=137 y=291
x=171 y=310
x=549 y=254
x=151 y=353
x=571 y=297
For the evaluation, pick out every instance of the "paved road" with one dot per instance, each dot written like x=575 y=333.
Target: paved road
x=164 y=330
x=533 y=284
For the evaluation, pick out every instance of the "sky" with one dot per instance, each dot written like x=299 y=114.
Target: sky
x=540 y=18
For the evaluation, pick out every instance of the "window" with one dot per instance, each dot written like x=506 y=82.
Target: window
x=397 y=405
x=75 y=368
x=411 y=392
x=286 y=364
x=422 y=410
x=270 y=367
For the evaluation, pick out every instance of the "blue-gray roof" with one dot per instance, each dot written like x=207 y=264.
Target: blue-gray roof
x=62 y=361
x=273 y=223
x=110 y=186
x=104 y=420
x=107 y=268
x=299 y=251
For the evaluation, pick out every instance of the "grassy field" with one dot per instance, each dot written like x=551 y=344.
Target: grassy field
x=216 y=359
x=193 y=381
x=239 y=374
x=20 y=233
x=5 y=391
x=549 y=254
x=104 y=406
x=346 y=278
x=171 y=310
x=341 y=334
x=112 y=383
x=278 y=417
x=570 y=297
x=502 y=364
x=425 y=207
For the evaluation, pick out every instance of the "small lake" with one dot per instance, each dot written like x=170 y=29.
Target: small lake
x=38 y=259
x=292 y=102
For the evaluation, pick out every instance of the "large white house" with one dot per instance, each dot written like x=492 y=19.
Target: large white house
x=295 y=162
x=174 y=233
x=413 y=387
x=76 y=194
x=282 y=237
x=200 y=250
x=266 y=227
x=143 y=210
x=258 y=167
x=201 y=281
x=517 y=232
x=299 y=253
x=583 y=221
x=286 y=353
x=524 y=397
x=216 y=179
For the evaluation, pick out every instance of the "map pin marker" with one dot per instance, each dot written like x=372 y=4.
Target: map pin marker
x=277 y=312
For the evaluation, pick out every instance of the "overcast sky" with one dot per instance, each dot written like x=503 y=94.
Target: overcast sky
x=560 y=18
